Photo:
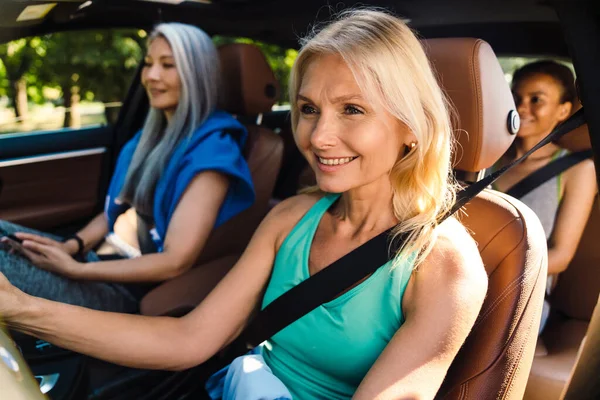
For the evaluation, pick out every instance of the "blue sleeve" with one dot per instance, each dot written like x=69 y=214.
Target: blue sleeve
x=218 y=151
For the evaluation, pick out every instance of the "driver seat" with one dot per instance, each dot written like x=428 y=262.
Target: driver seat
x=495 y=360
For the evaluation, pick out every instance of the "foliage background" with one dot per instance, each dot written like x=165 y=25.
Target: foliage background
x=74 y=79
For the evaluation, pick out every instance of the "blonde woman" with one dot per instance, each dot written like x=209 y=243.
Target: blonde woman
x=373 y=123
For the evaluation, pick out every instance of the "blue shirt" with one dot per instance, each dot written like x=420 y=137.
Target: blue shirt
x=216 y=145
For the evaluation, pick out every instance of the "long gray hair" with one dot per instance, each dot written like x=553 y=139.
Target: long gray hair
x=197 y=64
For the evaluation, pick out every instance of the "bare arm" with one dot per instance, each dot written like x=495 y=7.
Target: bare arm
x=441 y=305
x=92 y=233
x=574 y=211
x=188 y=230
x=155 y=342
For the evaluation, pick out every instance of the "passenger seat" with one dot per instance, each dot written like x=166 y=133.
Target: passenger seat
x=584 y=383
x=572 y=304
x=249 y=89
x=495 y=359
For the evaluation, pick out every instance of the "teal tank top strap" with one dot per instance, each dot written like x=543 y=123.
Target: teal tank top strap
x=310 y=221
x=315 y=213
x=308 y=224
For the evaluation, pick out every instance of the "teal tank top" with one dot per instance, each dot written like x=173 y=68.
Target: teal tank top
x=327 y=353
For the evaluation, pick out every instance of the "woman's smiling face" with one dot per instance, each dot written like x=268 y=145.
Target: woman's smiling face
x=348 y=141
x=160 y=77
x=538 y=100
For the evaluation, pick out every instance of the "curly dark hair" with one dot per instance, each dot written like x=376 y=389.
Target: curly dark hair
x=561 y=74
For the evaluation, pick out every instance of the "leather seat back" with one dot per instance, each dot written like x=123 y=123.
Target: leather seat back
x=584 y=383
x=249 y=89
x=495 y=359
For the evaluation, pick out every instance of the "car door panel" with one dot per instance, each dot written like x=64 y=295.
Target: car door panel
x=50 y=180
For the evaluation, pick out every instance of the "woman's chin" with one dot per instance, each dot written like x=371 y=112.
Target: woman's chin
x=162 y=105
x=527 y=132
x=331 y=186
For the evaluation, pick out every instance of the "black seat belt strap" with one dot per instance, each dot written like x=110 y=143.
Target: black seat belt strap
x=357 y=265
x=322 y=287
x=547 y=172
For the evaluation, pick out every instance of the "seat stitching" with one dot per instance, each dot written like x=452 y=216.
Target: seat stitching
x=499 y=232
x=479 y=105
x=523 y=277
x=517 y=366
x=510 y=338
x=509 y=289
x=515 y=282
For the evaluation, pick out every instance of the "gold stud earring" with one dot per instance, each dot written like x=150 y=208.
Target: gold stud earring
x=409 y=147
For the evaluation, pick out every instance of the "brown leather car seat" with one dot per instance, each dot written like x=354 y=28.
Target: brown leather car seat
x=572 y=304
x=584 y=383
x=495 y=359
x=249 y=89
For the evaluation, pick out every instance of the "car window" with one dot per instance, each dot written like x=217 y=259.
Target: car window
x=280 y=59
x=510 y=64
x=66 y=80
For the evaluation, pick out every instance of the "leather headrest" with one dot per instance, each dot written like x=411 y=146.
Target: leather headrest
x=248 y=84
x=472 y=78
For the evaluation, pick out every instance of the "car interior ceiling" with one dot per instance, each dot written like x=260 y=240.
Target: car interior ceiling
x=503 y=24
x=507 y=24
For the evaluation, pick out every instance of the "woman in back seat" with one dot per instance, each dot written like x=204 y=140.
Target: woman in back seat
x=545 y=93
x=373 y=123
x=183 y=172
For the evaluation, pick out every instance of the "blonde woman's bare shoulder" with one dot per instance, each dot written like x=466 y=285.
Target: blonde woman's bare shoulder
x=287 y=213
x=452 y=277
x=296 y=204
x=455 y=256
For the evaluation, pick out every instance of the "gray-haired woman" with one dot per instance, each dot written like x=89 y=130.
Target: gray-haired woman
x=180 y=172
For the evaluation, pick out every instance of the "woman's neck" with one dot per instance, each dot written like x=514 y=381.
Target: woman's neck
x=365 y=209
x=526 y=144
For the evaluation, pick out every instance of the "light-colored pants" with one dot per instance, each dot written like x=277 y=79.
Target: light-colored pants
x=248 y=377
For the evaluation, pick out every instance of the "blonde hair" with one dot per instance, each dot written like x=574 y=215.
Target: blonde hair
x=391 y=67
